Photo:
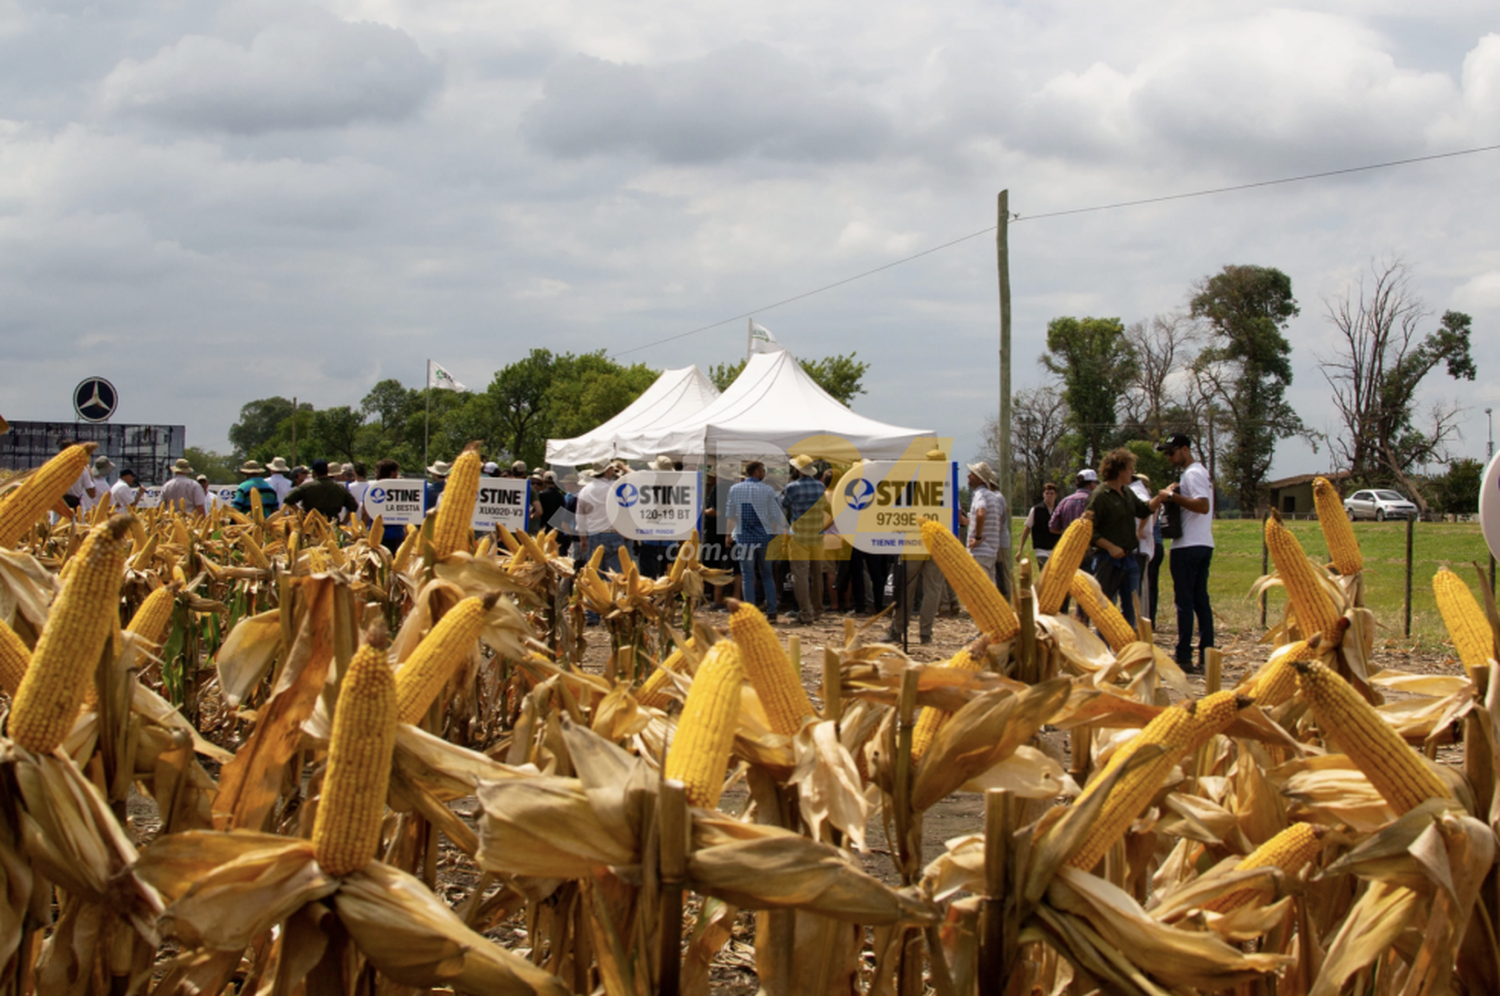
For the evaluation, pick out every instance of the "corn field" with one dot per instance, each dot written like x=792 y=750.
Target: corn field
x=235 y=747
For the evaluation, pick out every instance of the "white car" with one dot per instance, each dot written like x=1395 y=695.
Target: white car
x=1379 y=505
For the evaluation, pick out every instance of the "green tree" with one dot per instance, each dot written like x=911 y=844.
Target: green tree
x=1096 y=362
x=259 y=422
x=1247 y=367
x=1457 y=491
x=220 y=467
x=518 y=396
x=335 y=433
x=841 y=376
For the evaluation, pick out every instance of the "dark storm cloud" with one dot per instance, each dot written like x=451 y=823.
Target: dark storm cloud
x=314 y=74
x=745 y=100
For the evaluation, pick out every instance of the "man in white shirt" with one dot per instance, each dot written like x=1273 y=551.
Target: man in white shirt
x=1191 y=554
x=184 y=492
x=126 y=491
x=83 y=489
x=102 y=467
x=989 y=525
x=278 y=479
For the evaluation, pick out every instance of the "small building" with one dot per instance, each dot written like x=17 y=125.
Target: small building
x=1293 y=496
x=147 y=449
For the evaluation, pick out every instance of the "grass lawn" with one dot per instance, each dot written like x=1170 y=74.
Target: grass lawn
x=1237 y=563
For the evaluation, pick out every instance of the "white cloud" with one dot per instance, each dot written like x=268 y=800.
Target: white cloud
x=314 y=73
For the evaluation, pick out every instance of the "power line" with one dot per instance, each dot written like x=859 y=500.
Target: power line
x=1018 y=219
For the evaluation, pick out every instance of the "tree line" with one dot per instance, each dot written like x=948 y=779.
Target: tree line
x=540 y=396
x=1218 y=370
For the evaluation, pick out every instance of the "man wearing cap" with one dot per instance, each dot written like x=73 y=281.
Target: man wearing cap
x=490 y=469
x=255 y=480
x=126 y=491
x=437 y=480
x=1192 y=553
x=593 y=518
x=989 y=525
x=754 y=517
x=805 y=504
x=184 y=492
x=100 y=471
x=322 y=494
x=518 y=470
x=278 y=479
x=546 y=501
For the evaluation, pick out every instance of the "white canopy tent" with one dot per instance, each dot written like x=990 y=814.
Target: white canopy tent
x=774 y=406
x=675 y=396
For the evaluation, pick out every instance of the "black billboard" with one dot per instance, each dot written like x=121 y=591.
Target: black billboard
x=149 y=450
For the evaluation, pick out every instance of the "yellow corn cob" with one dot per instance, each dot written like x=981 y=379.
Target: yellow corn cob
x=1067 y=555
x=971 y=658
x=1466 y=622
x=14 y=659
x=653 y=691
x=26 y=505
x=700 y=750
x=1112 y=625
x=976 y=591
x=1311 y=605
x=1397 y=772
x=532 y=550
x=1289 y=850
x=1338 y=531
x=257 y=507
x=508 y=538
x=1177 y=729
x=440 y=653
x=404 y=551
x=67 y=652
x=151 y=620
x=456 y=511
x=769 y=669
x=483 y=549
x=596 y=558
x=627 y=565
x=687 y=556
x=141 y=560
x=346 y=831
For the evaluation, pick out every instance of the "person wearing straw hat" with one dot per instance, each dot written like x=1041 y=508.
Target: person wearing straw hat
x=103 y=466
x=437 y=479
x=593 y=518
x=924 y=572
x=754 y=518
x=255 y=480
x=989 y=525
x=183 y=491
x=278 y=478
x=805 y=504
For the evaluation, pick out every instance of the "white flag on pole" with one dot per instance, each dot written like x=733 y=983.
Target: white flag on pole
x=762 y=341
x=439 y=377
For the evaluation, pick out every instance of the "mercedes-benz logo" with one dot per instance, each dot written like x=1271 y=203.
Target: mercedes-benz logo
x=94 y=399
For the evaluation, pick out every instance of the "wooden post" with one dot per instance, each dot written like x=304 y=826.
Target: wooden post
x=1002 y=264
x=1411 y=526
x=672 y=822
x=994 y=953
x=906 y=710
x=1026 y=663
x=1213 y=670
x=833 y=695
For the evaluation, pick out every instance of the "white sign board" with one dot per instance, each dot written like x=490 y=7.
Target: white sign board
x=655 y=504
x=1489 y=505
x=222 y=494
x=880 y=505
x=396 y=501
x=502 y=501
x=150 y=497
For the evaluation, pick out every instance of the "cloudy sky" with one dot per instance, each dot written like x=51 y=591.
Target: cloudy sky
x=212 y=202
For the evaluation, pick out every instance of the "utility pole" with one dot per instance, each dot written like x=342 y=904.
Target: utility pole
x=294 y=431
x=1002 y=260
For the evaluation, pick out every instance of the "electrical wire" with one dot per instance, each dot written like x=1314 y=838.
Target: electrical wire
x=1018 y=219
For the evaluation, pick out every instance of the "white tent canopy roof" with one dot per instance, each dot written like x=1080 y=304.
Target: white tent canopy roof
x=775 y=406
x=676 y=395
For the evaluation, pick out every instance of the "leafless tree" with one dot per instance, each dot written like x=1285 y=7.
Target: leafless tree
x=1038 y=425
x=1381 y=358
x=1164 y=348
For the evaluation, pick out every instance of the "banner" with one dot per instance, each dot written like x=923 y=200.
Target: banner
x=879 y=506
x=762 y=341
x=150 y=497
x=222 y=494
x=502 y=500
x=439 y=377
x=1489 y=506
x=397 y=501
x=655 y=504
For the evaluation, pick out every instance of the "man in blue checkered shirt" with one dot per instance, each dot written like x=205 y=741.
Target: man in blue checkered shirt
x=754 y=517
x=805 y=503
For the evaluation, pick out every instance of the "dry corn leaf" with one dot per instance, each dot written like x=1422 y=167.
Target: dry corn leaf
x=831 y=794
x=246 y=655
x=546 y=827
x=413 y=938
x=1332 y=791
x=1176 y=957
x=26 y=590
x=981 y=735
x=1029 y=773
x=226 y=888
x=765 y=867
x=1374 y=923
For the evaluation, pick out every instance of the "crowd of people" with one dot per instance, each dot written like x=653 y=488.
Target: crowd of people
x=770 y=539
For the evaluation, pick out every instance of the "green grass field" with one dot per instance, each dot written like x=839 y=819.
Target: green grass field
x=1237 y=563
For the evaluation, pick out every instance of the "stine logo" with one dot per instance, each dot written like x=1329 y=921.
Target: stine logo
x=499 y=496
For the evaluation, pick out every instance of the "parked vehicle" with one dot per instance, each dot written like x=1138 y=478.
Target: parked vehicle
x=1379 y=505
